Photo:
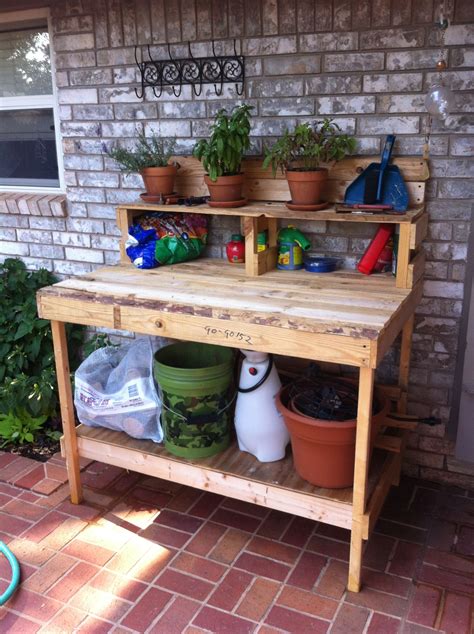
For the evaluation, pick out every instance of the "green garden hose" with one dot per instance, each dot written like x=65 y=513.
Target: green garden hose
x=12 y=560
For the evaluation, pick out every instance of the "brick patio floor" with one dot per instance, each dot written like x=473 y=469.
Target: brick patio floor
x=143 y=555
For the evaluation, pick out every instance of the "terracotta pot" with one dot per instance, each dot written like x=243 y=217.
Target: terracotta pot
x=306 y=187
x=324 y=451
x=226 y=189
x=159 y=180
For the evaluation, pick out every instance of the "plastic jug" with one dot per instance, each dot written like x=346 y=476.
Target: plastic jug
x=291 y=244
x=258 y=423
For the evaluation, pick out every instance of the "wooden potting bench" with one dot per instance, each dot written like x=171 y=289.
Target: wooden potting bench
x=341 y=317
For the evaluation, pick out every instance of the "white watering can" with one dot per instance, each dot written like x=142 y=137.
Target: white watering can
x=259 y=425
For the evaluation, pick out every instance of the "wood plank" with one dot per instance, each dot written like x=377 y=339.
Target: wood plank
x=413 y=168
x=418 y=231
x=403 y=256
x=265 y=338
x=325 y=505
x=390 y=332
x=379 y=495
x=388 y=443
x=361 y=471
x=276 y=210
x=67 y=409
x=416 y=268
x=404 y=367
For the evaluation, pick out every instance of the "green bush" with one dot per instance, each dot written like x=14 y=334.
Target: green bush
x=149 y=152
x=27 y=372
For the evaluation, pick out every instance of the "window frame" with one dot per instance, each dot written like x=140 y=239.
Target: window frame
x=44 y=102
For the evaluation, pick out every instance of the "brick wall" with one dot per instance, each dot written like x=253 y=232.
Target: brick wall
x=367 y=63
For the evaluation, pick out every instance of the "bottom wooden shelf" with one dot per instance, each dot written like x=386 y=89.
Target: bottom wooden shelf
x=239 y=475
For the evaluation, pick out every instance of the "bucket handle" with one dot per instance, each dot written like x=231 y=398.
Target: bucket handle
x=202 y=419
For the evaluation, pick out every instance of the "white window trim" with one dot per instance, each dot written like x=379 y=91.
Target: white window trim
x=39 y=101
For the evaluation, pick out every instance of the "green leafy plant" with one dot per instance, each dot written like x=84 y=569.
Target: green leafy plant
x=27 y=372
x=19 y=427
x=309 y=145
x=149 y=152
x=222 y=153
x=99 y=340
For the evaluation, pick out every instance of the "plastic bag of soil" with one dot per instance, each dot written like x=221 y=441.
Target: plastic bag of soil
x=160 y=238
x=114 y=388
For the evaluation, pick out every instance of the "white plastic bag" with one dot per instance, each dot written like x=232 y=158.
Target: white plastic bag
x=114 y=388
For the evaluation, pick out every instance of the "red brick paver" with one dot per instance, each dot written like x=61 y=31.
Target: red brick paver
x=144 y=555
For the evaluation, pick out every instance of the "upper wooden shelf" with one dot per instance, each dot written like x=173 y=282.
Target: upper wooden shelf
x=280 y=210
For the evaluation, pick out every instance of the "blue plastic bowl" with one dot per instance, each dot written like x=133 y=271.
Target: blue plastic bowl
x=316 y=264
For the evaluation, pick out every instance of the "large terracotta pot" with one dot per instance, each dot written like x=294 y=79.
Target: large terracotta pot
x=324 y=451
x=306 y=187
x=226 y=189
x=159 y=180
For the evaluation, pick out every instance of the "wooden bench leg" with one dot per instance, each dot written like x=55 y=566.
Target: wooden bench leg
x=361 y=470
x=404 y=368
x=67 y=409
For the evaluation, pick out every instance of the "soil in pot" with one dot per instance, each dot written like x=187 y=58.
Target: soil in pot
x=306 y=187
x=226 y=190
x=159 y=180
x=324 y=450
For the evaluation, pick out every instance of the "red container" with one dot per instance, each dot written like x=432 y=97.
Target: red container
x=235 y=249
x=375 y=248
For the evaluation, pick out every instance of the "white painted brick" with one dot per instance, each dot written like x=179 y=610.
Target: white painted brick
x=168 y=128
x=454 y=290
x=84 y=255
x=269 y=45
x=67 y=238
x=47 y=251
x=389 y=125
x=34 y=264
x=345 y=105
x=7 y=234
x=8 y=220
x=119 y=94
x=13 y=248
x=83 y=162
x=107 y=243
x=339 y=62
x=85 y=195
x=76 y=42
x=111 y=257
x=34 y=235
x=57 y=224
x=118 y=196
x=120 y=129
x=77 y=95
x=71 y=268
x=85 y=225
x=98 y=179
x=126 y=75
x=315 y=42
x=103 y=211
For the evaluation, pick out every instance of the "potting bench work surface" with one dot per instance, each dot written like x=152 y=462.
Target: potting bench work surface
x=340 y=317
x=143 y=554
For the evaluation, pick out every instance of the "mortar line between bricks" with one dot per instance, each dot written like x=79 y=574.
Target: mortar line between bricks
x=391 y=555
x=338 y=609
x=164 y=610
x=369 y=619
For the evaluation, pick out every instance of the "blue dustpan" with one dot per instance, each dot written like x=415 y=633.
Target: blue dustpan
x=380 y=183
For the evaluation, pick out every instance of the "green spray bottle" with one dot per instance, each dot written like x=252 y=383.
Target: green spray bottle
x=291 y=244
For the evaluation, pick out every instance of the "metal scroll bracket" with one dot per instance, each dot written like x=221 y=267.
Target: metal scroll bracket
x=194 y=71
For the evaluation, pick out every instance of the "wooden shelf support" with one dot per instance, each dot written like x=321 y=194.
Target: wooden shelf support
x=67 y=409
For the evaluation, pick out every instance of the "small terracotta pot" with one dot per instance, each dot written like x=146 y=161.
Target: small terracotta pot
x=159 y=180
x=226 y=189
x=306 y=187
x=324 y=451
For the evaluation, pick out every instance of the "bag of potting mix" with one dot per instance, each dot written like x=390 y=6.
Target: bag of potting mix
x=114 y=388
x=161 y=238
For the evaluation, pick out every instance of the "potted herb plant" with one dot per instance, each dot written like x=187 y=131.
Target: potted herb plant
x=150 y=159
x=300 y=153
x=221 y=156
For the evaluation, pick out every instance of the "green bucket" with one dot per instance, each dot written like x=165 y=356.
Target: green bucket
x=194 y=381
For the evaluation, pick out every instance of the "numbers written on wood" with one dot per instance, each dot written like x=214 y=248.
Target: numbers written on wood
x=229 y=334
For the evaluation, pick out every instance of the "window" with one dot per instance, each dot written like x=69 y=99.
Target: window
x=29 y=123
